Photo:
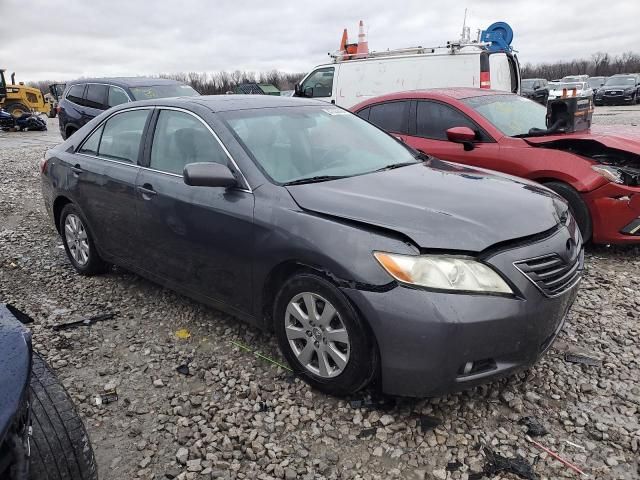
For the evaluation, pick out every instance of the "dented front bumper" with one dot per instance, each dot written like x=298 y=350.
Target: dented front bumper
x=615 y=212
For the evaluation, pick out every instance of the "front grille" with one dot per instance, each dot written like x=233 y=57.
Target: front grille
x=551 y=273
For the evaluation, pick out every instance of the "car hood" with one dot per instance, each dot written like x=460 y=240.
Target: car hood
x=15 y=367
x=437 y=204
x=626 y=138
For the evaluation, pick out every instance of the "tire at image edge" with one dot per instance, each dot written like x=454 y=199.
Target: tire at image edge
x=60 y=446
x=363 y=361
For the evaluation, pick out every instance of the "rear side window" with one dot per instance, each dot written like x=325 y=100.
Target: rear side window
x=433 y=119
x=180 y=139
x=91 y=144
x=95 y=96
x=121 y=136
x=391 y=116
x=75 y=94
x=116 y=97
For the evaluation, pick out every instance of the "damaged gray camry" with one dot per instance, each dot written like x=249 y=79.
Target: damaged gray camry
x=369 y=262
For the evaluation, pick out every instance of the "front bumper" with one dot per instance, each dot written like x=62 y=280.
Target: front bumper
x=614 y=99
x=433 y=343
x=615 y=211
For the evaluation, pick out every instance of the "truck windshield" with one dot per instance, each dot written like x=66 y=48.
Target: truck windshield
x=315 y=143
x=511 y=114
x=162 y=91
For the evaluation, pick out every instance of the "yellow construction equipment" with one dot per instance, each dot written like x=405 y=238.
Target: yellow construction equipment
x=18 y=99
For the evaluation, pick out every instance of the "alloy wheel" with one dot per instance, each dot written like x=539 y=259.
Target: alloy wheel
x=316 y=334
x=76 y=236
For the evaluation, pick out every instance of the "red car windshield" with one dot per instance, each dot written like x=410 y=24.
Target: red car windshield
x=511 y=114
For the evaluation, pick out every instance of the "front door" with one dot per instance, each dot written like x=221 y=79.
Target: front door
x=433 y=119
x=197 y=238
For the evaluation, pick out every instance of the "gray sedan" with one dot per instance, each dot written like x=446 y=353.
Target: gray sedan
x=367 y=260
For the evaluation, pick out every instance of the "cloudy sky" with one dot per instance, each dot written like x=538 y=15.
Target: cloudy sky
x=72 y=38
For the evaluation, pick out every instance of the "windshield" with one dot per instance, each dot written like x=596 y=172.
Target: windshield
x=528 y=84
x=628 y=80
x=511 y=114
x=296 y=143
x=570 y=86
x=596 y=81
x=162 y=91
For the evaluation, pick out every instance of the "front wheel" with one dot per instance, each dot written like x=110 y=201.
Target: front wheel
x=78 y=242
x=60 y=447
x=322 y=337
x=578 y=208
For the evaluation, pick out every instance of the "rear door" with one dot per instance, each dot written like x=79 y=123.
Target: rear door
x=429 y=134
x=95 y=101
x=196 y=238
x=105 y=168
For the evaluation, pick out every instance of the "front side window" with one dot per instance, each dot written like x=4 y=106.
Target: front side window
x=312 y=143
x=391 y=116
x=75 y=94
x=319 y=83
x=511 y=114
x=433 y=119
x=116 y=97
x=122 y=135
x=95 y=96
x=181 y=138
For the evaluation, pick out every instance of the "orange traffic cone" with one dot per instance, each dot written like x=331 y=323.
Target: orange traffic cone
x=363 y=45
x=344 y=41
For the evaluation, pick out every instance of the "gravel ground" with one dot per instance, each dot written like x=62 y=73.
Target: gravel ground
x=239 y=416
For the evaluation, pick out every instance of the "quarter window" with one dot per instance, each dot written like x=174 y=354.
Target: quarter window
x=95 y=96
x=319 y=83
x=364 y=113
x=122 y=135
x=75 y=94
x=179 y=139
x=391 y=116
x=91 y=144
x=434 y=119
x=116 y=97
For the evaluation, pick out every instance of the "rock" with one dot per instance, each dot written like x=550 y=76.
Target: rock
x=386 y=420
x=182 y=455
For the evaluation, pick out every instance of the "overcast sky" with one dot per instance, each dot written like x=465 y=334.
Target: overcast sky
x=41 y=39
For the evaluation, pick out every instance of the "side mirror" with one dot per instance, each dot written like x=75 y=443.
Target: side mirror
x=208 y=174
x=296 y=90
x=463 y=135
x=308 y=92
x=537 y=87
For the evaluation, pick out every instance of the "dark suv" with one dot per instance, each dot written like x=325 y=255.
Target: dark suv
x=536 y=89
x=88 y=98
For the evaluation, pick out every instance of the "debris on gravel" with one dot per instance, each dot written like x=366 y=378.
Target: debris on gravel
x=232 y=415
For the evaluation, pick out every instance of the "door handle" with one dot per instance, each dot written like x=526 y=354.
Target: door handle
x=147 y=191
x=76 y=169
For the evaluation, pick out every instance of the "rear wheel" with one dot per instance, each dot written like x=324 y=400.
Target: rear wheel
x=322 y=336
x=17 y=109
x=60 y=447
x=578 y=208
x=78 y=242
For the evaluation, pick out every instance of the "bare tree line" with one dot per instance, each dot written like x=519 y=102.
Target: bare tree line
x=213 y=83
x=600 y=64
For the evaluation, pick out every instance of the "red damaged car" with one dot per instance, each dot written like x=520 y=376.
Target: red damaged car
x=597 y=171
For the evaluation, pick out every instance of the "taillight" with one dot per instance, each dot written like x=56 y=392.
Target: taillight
x=43 y=165
x=485 y=79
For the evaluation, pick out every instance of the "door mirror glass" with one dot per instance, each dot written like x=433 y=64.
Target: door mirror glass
x=206 y=174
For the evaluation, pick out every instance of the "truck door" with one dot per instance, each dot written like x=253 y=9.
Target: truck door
x=318 y=84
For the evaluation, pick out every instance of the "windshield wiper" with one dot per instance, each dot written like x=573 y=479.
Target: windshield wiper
x=316 y=179
x=395 y=165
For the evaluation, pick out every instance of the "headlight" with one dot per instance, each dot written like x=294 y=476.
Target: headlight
x=443 y=272
x=610 y=173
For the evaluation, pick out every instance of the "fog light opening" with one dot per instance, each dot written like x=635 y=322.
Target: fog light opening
x=476 y=367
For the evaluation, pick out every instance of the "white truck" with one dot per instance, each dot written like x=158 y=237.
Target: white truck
x=346 y=82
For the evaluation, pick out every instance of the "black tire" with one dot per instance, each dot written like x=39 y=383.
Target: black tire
x=60 y=446
x=362 y=365
x=578 y=208
x=70 y=131
x=52 y=113
x=14 y=108
x=94 y=265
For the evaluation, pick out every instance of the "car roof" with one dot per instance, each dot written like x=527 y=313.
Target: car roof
x=226 y=103
x=128 y=81
x=444 y=94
